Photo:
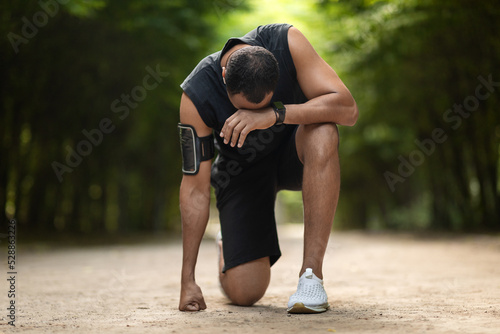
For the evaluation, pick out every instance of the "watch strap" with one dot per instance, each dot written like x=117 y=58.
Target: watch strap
x=280 y=112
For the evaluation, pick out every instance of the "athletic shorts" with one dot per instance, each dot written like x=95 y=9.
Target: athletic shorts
x=246 y=205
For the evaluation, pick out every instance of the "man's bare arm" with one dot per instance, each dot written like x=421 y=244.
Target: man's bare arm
x=329 y=99
x=194 y=197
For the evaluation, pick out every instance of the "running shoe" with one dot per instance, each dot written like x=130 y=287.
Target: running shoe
x=310 y=296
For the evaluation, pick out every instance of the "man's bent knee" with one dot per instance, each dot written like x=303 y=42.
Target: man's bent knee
x=319 y=141
x=323 y=133
x=244 y=297
x=245 y=284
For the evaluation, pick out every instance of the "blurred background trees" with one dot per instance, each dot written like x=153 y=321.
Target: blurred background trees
x=424 y=154
x=63 y=80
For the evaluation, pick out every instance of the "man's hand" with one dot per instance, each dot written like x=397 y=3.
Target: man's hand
x=191 y=298
x=241 y=123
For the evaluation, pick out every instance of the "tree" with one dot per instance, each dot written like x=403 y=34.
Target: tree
x=426 y=149
x=89 y=107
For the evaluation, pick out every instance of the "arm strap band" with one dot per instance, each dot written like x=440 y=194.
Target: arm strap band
x=194 y=149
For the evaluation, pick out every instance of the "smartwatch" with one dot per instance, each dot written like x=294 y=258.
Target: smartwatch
x=280 y=111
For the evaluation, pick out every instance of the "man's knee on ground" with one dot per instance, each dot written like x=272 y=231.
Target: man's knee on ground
x=246 y=297
x=245 y=284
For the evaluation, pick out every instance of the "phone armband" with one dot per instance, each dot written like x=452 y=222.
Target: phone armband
x=194 y=149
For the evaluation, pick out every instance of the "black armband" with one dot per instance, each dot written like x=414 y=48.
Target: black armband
x=194 y=149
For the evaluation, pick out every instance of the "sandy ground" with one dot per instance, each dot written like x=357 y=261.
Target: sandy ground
x=376 y=283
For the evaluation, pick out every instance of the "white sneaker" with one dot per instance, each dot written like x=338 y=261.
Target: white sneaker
x=310 y=296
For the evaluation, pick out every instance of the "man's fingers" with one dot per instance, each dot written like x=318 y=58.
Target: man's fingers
x=231 y=131
x=237 y=132
x=227 y=130
x=192 y=307
x=203 y=305
x=191 y=298
x=243 y=136
x=236 y=128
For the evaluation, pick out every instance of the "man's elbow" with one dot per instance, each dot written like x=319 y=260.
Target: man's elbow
x=352 y=114
x=194 y=189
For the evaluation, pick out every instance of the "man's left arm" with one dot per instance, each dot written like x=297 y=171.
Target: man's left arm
x=329 y=100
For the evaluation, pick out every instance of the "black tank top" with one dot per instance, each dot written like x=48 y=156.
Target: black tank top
x=205 y=88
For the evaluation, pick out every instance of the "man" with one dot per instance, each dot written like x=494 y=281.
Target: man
x=274 y=105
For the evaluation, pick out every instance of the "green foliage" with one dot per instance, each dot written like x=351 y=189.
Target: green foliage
x=71 y=70
x=67 y=70
x=408 y=64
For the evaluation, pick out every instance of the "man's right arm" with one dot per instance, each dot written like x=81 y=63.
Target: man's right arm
x=194 y=198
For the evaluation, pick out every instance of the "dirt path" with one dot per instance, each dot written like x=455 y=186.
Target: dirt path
x=376 y=284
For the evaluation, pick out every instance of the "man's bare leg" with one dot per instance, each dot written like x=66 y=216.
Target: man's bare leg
x=245 y=284
x=317 y=147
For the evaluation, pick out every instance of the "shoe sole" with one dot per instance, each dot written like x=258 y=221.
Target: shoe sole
x=301 y=308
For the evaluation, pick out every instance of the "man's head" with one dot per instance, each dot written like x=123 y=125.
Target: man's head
x=251 y=75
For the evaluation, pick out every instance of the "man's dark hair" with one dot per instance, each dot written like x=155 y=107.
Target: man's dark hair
x=252 y=71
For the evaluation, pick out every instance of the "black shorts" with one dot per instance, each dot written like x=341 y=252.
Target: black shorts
x=246 y=205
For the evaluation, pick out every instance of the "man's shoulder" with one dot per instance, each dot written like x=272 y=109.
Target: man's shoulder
x=274 y=27
x=204 y=72
x=273 y=36
x=205 y=65
x=205 y=88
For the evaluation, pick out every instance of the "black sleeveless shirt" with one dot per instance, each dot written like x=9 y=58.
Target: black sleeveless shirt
x=207 y=91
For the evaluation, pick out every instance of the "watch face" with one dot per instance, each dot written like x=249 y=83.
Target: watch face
x=278 y=105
